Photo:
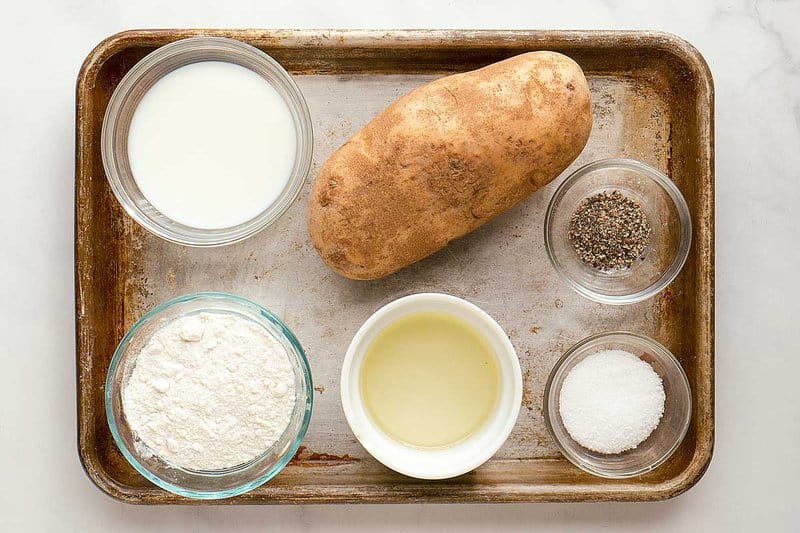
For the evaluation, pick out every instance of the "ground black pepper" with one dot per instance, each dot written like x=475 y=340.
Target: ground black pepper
x=609 y=231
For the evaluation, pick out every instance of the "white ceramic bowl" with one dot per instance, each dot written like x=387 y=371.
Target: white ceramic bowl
x=436 y=463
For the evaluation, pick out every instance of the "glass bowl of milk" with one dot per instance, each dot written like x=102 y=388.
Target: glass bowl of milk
x=206 y=141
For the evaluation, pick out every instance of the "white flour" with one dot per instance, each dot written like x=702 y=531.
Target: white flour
x=210 y=391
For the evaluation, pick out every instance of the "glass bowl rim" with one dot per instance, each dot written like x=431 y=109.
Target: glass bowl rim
x=223 y=236
x=116 y=359
x=638 y=338
x=684 y=218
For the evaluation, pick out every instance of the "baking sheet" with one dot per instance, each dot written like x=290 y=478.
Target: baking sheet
x=502 y=267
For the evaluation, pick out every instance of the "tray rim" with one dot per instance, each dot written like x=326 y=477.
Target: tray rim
x=682 y=50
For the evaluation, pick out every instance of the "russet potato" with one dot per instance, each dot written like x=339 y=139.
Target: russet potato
x=444 y=159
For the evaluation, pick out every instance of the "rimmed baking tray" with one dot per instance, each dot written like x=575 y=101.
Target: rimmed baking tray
x=652 y=100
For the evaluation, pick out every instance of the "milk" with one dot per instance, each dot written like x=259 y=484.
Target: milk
x=211 y=145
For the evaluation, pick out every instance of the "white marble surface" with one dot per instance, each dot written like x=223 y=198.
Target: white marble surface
x=754 y=52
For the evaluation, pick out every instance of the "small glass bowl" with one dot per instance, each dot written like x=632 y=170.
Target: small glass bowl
x=214 y=484
x=664 y=440
x=128 y=94
x=665 y=208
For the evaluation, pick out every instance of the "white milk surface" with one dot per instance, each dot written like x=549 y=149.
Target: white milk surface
x=211 y=144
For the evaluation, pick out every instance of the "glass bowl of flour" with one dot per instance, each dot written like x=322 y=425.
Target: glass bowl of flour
x=209 y=395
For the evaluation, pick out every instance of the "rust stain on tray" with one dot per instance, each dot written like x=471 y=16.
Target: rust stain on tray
x=306 y=457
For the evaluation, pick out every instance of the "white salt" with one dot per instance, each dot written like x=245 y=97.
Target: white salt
x=611 y=401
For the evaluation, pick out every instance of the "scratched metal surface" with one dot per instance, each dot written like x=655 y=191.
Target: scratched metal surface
x=502 y=267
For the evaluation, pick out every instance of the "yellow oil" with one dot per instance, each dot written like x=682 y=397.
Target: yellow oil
x=429 y=380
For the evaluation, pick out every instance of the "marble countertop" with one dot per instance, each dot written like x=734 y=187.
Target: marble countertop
x=753 y=49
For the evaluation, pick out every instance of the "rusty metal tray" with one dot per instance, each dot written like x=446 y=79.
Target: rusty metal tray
x=652 y=100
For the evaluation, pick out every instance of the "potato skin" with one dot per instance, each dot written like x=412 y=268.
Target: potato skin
x=444 y=159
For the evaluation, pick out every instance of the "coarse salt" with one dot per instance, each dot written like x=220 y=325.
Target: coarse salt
x=611 y=401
